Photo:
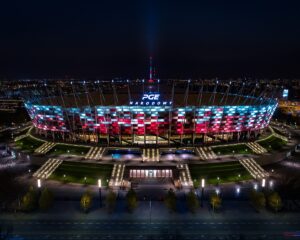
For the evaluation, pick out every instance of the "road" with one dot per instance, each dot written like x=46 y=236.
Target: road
x=133 y=229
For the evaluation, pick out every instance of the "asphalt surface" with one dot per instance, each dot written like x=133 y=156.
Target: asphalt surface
x=144 y=229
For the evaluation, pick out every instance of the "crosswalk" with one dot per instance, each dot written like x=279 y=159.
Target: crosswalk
x=254 y=168
x=185 y=175
x=47 y=168
x=256 y=148
x=151 y=154
x=117 y=175
x=45 y=147
x=95 y=153
x=206 y=153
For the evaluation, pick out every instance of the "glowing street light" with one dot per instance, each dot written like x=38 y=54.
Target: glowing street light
x=202 y=191
x=99 y=187
x=255 y=186
x=263 y=182
x=202 y=182
x=238 y=190
x=271 y=183
x=39 y=183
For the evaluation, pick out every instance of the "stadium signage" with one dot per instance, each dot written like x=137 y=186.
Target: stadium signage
x=150 y=99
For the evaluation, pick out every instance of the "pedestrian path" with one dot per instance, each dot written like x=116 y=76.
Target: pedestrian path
x=45 y=147
x=185 y=175
x=95 y=153
x=254 y=168
x=47 y=168
x=256 y=148
x=151 y=154
x=18 y=138
x=117 y=175
x=206 y=153
x=280 y=136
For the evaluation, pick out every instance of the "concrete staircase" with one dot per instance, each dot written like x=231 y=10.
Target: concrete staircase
x=47 y=168
x=151 y=154
x=185 y=175
x=95 y=153
x=256 y=148
x=254 y=168
x=45 y=147
x=117 y=175
x=206 y=153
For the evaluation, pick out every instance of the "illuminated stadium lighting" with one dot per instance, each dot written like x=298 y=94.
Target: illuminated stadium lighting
x=151 y=113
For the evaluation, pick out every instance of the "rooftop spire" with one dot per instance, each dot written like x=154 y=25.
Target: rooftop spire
x=150 y=70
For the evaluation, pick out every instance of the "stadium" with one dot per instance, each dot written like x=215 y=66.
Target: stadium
x=145 y=112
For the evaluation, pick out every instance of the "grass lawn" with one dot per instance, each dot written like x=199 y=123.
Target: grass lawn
x=238 y=149
x=227 y=172
x=75 y=172
x=68 y=149
x=29 y=143
x=272 y=143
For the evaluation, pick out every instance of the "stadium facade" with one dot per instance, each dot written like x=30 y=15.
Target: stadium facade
x=152 y=114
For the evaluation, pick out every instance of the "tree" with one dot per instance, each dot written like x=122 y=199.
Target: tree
x=258 y=200
x=46 y=199
x=29 y=200
x=170 y=200
x=274 y=201
x=215 y=201
x=111 y=199
x=131 y=200
x=86 y=201
x=192 y=201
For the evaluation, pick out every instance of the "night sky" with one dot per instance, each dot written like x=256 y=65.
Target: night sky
x=188 y=39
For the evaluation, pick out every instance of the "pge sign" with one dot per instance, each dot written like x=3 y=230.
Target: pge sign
x=150 y=97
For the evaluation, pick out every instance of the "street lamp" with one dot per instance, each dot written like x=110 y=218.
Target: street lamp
x=39 y=183
x=99 y=186
x=263 y=182
x=238 y=190
x=271 y=184
x=202 y=191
